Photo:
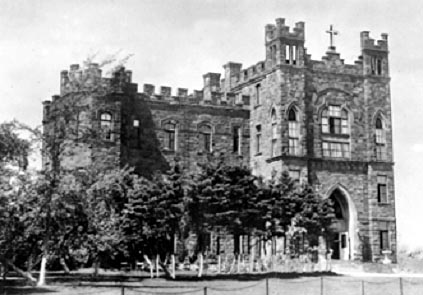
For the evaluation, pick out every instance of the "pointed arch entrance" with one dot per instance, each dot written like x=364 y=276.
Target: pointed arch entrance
x=342 y=238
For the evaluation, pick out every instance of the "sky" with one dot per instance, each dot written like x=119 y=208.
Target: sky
x=173 y=43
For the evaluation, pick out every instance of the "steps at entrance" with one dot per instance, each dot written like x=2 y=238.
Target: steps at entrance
x=345 y=267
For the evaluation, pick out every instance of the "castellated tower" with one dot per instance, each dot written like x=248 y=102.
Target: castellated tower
x=326 y=122
x=329 y=125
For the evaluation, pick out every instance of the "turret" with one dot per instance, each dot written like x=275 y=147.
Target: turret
x=211 y=84
x=284 y=46
x=231 y=71
x=374 y=55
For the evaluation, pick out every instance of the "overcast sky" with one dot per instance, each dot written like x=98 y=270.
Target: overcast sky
x=175 y=42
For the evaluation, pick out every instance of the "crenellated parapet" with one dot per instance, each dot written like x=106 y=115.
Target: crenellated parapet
x=235 y=75
x=197 y=97
x=368 y=43
x=281 y=30
x=89 y=79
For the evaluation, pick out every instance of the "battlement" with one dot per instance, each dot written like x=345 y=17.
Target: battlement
x=236 y=75
x=281 y=30
x=197 y=97
x=369 y=43
x=90 y=78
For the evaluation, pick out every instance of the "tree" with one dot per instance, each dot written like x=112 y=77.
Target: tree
x=14 y=236
x=154 y=215
x=225 y=198
x=70 y=130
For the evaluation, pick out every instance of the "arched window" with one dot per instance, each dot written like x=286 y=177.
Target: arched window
x=169 y=136
x=205 y=138
x=106 y=125
x=236 y=139
x=293 y=132
x=258 y=101
x=258 y=139
x=273 y=149
x=380 y=139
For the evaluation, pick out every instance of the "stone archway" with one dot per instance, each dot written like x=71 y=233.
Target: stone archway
x=343 y=238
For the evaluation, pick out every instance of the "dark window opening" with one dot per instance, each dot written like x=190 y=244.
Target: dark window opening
x=258 y=139
x=169 y=139
x=236 y=139
x=205 y=138
x=384 y=240
x=292 y=116
x=106 y=126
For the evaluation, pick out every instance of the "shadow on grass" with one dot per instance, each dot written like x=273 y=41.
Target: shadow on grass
x=15 y=286
x=253 y=276
x=24 y=290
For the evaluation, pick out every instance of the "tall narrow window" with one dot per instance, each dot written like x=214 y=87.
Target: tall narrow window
x=380 y=140
x=379 y=66
x=258 y=102
x=273 y=52
x=376 y=66
x=293 y=133
x=287 y=54
x=206 y=138
x=169 y=136
x=258 y=139
x=236 y=136
x=382 y=192
x=106 y=126
x=273 y=148
x=291 y=54
x=384 y=240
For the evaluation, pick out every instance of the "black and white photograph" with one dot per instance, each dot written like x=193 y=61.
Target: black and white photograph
x=211 y=147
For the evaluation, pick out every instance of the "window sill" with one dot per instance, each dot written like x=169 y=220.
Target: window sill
x=337 y=158
x=335 y=135
x=384 y=204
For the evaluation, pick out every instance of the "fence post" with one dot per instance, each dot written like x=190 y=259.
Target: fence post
x=122 y=292
x=267 y=286
x=362 y=287
x=205 y=290
x=401 y=287
x=321 y=285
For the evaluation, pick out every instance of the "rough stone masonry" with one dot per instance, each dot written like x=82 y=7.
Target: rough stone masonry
x=326 y=122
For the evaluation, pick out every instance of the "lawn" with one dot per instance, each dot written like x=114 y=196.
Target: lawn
x=231 y=285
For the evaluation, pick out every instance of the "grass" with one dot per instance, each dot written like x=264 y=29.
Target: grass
x=286 y=284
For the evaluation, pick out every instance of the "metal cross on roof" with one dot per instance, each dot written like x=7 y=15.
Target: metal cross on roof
x=332 y=33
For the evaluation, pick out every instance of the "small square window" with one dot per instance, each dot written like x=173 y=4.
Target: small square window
x=136 y=123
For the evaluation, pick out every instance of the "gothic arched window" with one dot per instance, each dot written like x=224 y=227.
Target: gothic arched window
x=380 y=139
x=106 y=125
x=258 y=99
x=274 y=140
x=293 y=132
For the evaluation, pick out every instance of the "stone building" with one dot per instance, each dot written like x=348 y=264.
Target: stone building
x=326 y=122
